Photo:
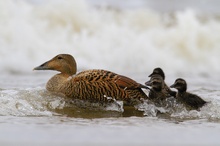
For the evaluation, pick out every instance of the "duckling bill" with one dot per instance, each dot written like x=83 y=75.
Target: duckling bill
x=94 y=85
x=191 y=100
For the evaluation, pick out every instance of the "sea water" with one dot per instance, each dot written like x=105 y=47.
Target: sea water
x=126 y=37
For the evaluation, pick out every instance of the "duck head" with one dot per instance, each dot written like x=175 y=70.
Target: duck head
x=180 y=85
x=158 y=71
x=63 y=63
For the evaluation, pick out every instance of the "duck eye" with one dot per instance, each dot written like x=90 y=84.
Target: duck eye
x=154 y=83
x=59 y=57
x=178 y=84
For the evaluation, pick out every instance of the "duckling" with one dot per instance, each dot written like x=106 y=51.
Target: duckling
x=94 y=85
x=158 y=72
x=163 y=104
x=157 y=85
x=190 y=100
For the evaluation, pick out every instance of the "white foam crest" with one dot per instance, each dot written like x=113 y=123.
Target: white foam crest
x=38 y=102
x=124 y=40
x=210 y=111
x=26 y=102
x=176 y=110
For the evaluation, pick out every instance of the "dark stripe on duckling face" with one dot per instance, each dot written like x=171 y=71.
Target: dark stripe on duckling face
x=157 y=85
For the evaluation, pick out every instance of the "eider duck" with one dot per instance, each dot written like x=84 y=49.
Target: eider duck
x=93 y=85
x=191 y=101
x=158 y=72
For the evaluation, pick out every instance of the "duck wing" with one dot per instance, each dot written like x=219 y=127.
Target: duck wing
x=127 y=83
x=107 y=76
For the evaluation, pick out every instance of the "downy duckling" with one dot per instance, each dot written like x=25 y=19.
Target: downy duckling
x=159 y=72
x=156 y=92
x=190 y=100
x=93 y=85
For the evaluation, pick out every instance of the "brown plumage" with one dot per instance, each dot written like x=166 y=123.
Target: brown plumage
x=93 y=85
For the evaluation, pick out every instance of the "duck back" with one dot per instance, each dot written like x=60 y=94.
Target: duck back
x=192 y=100
x=100 y=85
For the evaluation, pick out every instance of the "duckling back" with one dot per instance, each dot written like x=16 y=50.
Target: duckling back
x=192 y=101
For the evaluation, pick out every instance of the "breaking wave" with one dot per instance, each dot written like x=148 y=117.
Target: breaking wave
x=137 y=40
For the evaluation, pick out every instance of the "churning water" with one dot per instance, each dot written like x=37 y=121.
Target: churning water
x=127 y=40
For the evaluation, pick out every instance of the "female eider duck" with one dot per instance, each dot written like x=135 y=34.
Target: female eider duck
x=190 y=100
x=157 y=73
x=93 y=85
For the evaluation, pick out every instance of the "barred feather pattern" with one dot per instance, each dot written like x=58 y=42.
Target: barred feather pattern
x=97 y=85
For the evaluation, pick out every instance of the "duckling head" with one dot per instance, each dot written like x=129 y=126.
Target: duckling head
x=156 y=84
x=180 y=85
x=63 y=63
x=158 y=71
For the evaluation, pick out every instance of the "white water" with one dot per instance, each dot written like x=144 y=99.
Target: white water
x=127 y=40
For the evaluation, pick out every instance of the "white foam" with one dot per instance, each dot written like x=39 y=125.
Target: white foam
x=22 y=103
x=128 y=40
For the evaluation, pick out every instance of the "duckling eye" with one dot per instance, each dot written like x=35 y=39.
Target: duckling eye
x=59 y=57
x=154 y=83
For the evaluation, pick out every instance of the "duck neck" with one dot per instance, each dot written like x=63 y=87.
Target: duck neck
x=56 y=83
x=69 y=72
x=181 y=92
x=182 y=89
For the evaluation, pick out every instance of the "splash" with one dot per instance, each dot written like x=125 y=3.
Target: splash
x=22 y=103
x=39 y=102
x=171 y=109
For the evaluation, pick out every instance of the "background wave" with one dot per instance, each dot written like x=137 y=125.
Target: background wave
x=121 y=40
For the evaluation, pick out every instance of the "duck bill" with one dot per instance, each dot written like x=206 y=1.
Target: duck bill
x=150 y=74
x=173 y=86
x=43 y=66
x=148 y=83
